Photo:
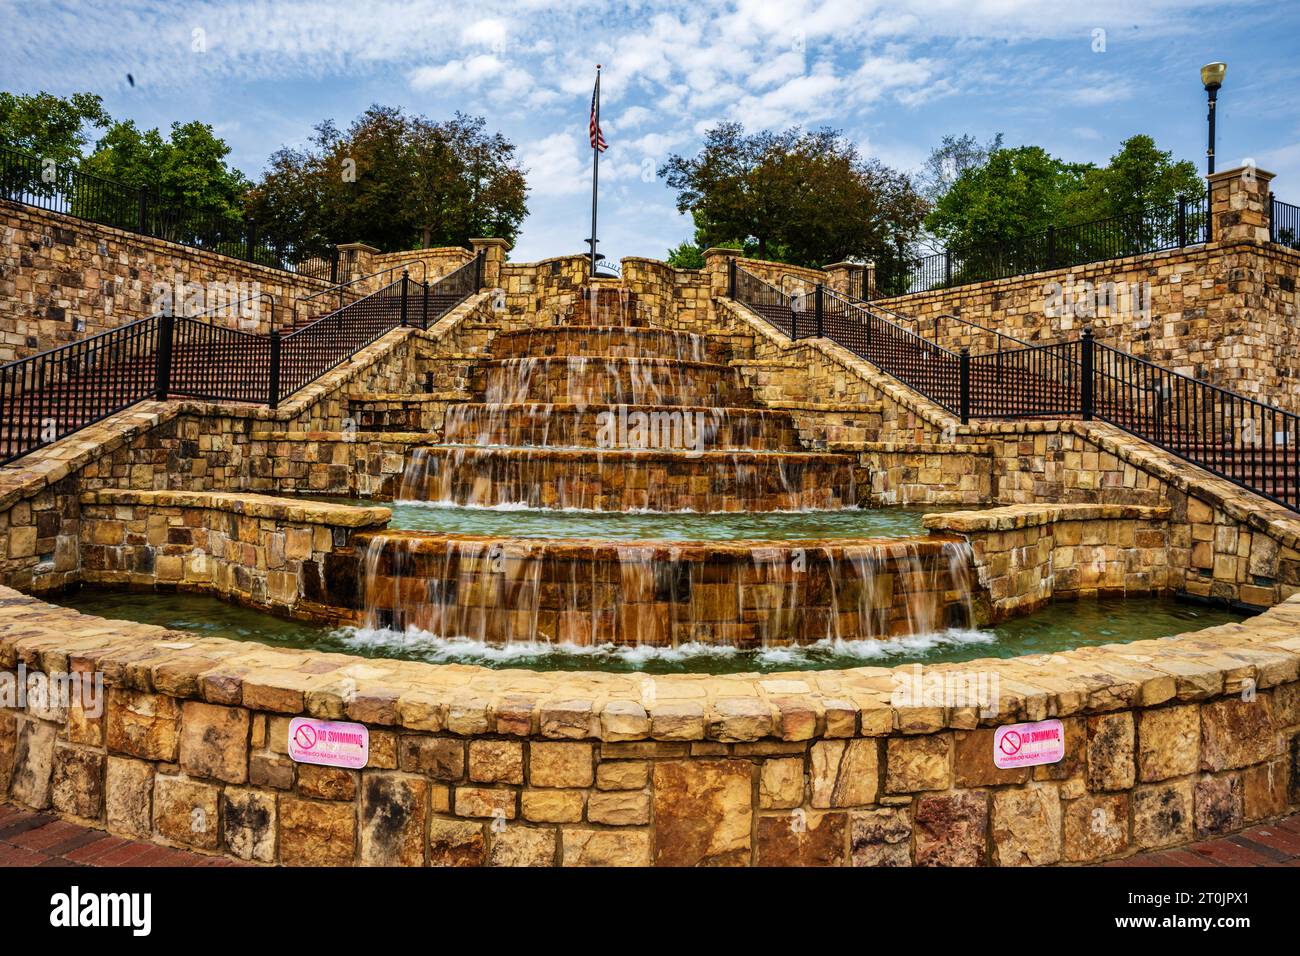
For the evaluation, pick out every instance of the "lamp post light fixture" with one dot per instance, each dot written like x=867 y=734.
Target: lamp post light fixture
x=1212 y=78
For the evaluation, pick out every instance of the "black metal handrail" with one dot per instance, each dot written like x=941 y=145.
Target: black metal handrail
x=1184 y=223
x=71 y=191
x=1284 y=224
x=924 y=366
x=50 y=395
x=1248 y=442
x=42 y=398
x=340 y=289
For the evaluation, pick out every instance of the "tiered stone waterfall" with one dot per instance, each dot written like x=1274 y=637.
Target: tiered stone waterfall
x=627 y=416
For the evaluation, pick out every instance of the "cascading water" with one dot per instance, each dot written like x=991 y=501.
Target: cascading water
x=645 y=595
x=613 y=414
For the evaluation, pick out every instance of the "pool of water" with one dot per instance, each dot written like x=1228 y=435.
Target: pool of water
x=672 y=526
x=1057 y=627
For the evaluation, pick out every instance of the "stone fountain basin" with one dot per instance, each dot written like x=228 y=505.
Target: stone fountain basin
x=746 y=594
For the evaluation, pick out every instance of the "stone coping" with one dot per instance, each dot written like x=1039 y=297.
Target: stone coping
x=607 y=360
x=354 y=437
x=247 y=505
x=1011 y=517
x=641 y=454
x=409 y=397
x=463 y=699
x=909 y=448
x=861 y=407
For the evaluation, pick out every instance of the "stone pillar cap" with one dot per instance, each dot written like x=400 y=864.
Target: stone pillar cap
x=1237 y=171
x=845 y=265
x=505 y=243
x=359 y=246
x=719 y=251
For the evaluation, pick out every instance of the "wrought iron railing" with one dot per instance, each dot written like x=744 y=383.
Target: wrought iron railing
x=1248 y=442
x=52 y=394
x=68 y=190
x=47 y=396
x=1284 y=223
x=922 y=365
x=305 y=355
x=1153 y=229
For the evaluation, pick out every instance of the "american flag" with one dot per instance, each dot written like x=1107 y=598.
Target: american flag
x=593 y=127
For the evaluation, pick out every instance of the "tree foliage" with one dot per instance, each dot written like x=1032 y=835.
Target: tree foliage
x=1018 y=192
x=394 y=181
x=185 y=170
x=50 y=126
x=686 y=255
x=804 y=197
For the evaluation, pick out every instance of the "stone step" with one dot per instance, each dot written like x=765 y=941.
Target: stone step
x=610 y=380
x=544 y=424
x=629 y=480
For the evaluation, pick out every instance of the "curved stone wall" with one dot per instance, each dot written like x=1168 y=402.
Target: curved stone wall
x=1165 y=742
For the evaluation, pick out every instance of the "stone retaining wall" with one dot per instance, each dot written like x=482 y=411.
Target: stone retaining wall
x=198 y=446
x=1166 y=742
x=1025 y=555
x=266 y=553
x=63 y=279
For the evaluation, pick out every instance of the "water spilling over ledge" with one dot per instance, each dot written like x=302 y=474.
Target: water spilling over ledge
x=743 y=595
x=629 y=480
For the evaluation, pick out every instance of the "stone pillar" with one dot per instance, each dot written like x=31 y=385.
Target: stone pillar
x=1240 y=203
x=494 y=254
x=716 y=263
x=356 y=259
x=845 y=277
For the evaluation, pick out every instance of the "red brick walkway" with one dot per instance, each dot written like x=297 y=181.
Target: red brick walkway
x=1270 y=844
x=37 y=839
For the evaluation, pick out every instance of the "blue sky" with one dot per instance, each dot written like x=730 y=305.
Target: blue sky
x=895 y=77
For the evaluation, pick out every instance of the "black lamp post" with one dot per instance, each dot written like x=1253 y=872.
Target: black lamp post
x=1212 y=78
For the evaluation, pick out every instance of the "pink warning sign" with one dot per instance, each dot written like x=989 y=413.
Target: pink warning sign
x=1025 y=745
x=329 y=743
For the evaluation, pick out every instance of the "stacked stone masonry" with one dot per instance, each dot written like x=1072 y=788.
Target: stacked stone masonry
x=1166 y=742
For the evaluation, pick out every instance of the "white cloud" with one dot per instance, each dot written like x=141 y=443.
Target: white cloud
x=458 y=74
x=555 y=166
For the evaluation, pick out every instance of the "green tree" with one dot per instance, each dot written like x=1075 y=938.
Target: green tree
x=953 y=156
x=51 y=127
x=393 y=181
x=1139 y=178
x=1018 y=192
x=185 y=170
x=806 y=198
x=686 y=255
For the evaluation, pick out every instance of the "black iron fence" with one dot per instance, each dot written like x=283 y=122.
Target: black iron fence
x=32 y=181
x=1284 y=223
x=48 y=396
x=1183 y=223
x=1248 y=442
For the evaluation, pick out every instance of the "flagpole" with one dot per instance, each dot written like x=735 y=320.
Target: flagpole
x=595 y=174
